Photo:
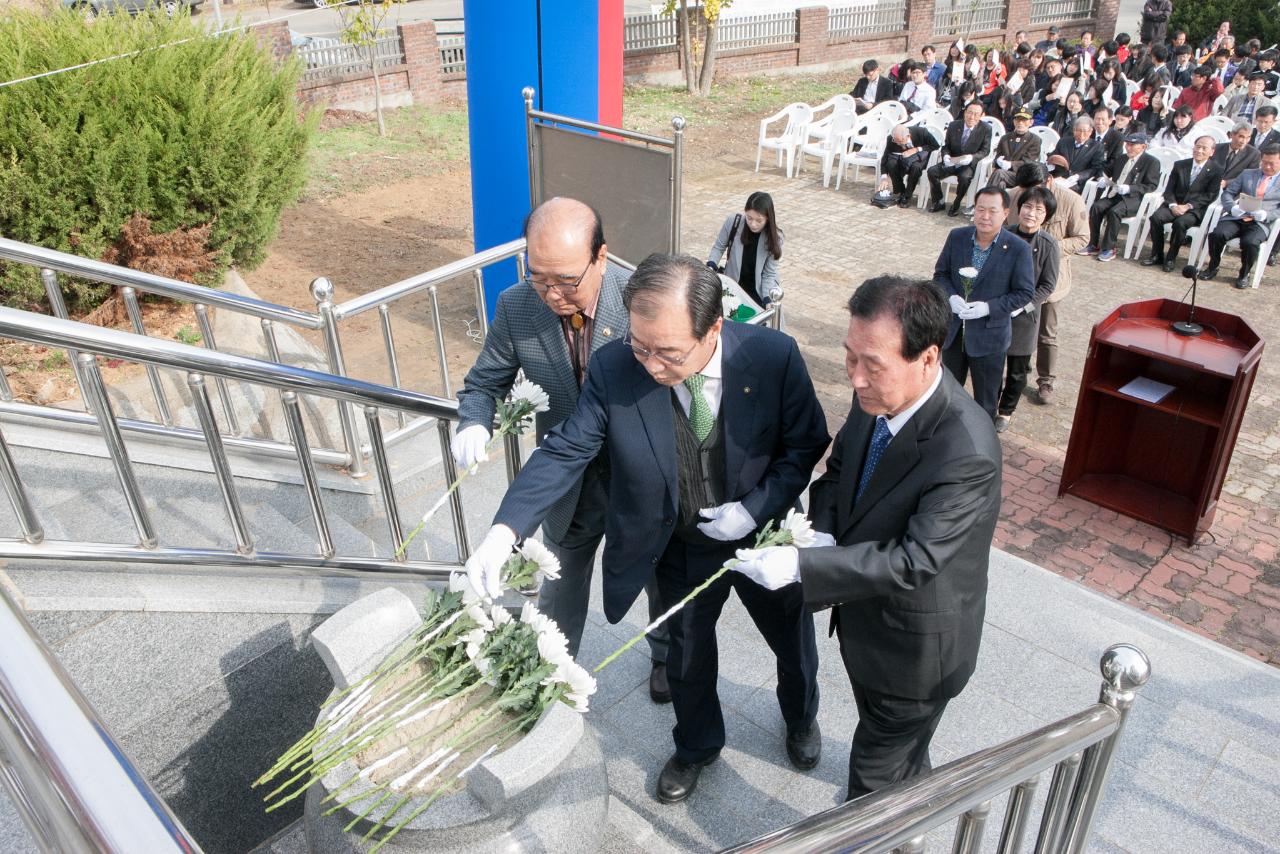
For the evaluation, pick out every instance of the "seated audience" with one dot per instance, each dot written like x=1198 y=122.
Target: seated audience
x=1236 y=154
x=968 y=140
x=1264 y=132
x=1078 y=157
x=1194 y=184
x=1120 y=194
x=1243 y=108
x=1015 y=148
x=906 y=153
x=873 y=88
x=1112 y=138
x=1176 y=134
x=1250 y=226
x=916 y=93
x=1200 y=95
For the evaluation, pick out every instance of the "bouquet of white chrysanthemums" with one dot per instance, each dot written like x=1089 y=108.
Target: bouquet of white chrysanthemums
x=470 y=678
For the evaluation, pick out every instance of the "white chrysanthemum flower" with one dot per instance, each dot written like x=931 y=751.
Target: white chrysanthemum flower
x=798 y=526
x=458 y=583
x=480 y=616
x=475 y=636
x=969 y=272
x=535 y=552
x=553 y=647
x=581 y=685
x=500 y=616
x=532 y=394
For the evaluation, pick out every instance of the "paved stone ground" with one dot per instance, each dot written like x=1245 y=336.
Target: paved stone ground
x=1226 y=587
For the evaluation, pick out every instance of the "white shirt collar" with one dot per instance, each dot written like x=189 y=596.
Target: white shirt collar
x=897 y=422
x=712 y=370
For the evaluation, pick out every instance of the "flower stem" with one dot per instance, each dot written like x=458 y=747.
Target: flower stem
x=453 y=487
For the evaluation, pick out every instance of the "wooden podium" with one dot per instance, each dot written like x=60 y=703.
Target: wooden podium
x=1161 y=462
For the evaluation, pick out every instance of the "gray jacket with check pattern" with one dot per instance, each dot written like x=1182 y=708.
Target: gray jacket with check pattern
x=527 y=335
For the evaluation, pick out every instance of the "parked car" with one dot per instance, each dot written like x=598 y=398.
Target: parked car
x=93 y=8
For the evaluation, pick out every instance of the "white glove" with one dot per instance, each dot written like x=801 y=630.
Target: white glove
x=1259 y=216
x=957 y=303
x=727 y=522
x=1237 y=211
x=469 y=446
x=975 y=310
x=771 y=568
x=822 y=540
x=484 y=567
x=962 y=160
x=1122 y=189
x=946 y=160
x=1003 y=162
x=1071 y=181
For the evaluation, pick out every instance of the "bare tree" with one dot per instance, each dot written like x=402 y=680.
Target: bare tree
x=698 y=75
x=361 y=22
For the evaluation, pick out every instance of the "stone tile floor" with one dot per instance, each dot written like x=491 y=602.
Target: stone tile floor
x=1226 y=587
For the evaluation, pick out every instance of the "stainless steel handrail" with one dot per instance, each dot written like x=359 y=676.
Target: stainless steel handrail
x=74 y=786
x=1079 y=747
x=100 y=271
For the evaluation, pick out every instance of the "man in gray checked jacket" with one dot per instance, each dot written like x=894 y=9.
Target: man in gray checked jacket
x=568 y=306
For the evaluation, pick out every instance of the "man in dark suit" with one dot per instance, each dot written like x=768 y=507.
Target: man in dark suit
x=910 y=499
x=1264 y=128
x=979 y=332
x=1250 y=224
x=1120 y=195
x=1193 y=186
x=711 y=430
x=968 y=140
x=873 y=87
x=905 y=155
x=1077 y=158
x=1015 y=148
x=1236 y=154
x=550 y=326
x=1111 y=137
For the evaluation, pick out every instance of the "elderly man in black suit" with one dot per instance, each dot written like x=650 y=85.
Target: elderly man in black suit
x=1193 y=186
x=905 y=155
x=1077 y=158
x=1106 y=132
x=1015 y=148
x=1120 y=194
x=1236 y=154
x=873 y=88
x=909 y=500
x=968 y=140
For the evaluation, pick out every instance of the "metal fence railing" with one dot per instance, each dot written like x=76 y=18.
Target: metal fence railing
x=327 y=60
x=968 y=16
x=757 y=30
x=648 y=32
x=453 y=54
x=1057 y=11
x=877 y=16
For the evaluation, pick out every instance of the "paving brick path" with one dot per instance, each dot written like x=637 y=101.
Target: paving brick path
x=1226 y=587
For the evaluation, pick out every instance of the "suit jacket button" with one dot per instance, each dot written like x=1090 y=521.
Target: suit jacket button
x=666 y=521
x=653 y=560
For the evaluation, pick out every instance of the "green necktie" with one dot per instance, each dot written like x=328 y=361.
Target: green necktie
x=700 y=417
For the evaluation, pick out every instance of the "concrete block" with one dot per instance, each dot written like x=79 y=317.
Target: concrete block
x=354 y=640
x=509 y=774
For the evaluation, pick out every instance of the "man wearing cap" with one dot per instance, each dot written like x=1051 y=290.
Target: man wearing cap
x=1051 y=42
x=1200 y=95
x=1242 y=108
x=1193 y=186
x=1250 y=226
x=1014 y=149
x=1120 y=194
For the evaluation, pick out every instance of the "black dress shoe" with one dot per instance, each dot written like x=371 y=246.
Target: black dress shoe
x=659 y=690
x=954 y=210
x=679 y=778
x=903 y=201
x=1209 y=274
x=1151 y=261
x=804 y=748
x=1168 y=265
x=934 y=207
x=1242 y=281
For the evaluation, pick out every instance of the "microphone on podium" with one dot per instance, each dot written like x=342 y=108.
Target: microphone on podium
x=1189 y=326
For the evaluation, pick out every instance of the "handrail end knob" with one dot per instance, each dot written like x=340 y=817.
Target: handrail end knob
x=321 y=289
x=1125 y=667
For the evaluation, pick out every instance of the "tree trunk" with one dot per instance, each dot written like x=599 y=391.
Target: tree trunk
x=708 y=59
x=686 y=48
x=377 y=88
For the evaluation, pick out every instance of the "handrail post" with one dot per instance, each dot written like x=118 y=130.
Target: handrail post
x=6 y=393
x=32 y=532
x=775 y=303
x=322 y=292
x=1015 y=816
x=969 y=829
x=298 y=436
x=211 y=343
x=100 y=406
x=455 y=501
x=1057 y=804
x=385 y=485
x=58 y=305
x=535 y=170
x=482 y=305
x=130 y=297
x=1125 y=669
x=438 y=325
x=393 y=364
x=677 y=168
x=221 y=466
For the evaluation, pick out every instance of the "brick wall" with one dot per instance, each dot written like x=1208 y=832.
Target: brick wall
x=812 y=49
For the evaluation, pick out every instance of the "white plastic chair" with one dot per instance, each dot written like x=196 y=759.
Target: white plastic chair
x=1219 y=104
x=1140 y=223
x=834 y=143
x=833 y=106
x=983 y=170
x=1048 y=141
x=798 y=116
x=1222 y=123
x=922 y=189
x=893 y=110
x=869 y=134
x=1210 y=222
x=936 y=116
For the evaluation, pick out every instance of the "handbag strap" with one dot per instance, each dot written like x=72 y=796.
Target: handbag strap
x=733 y=232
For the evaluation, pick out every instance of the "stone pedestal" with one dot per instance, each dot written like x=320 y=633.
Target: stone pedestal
x=548 y=791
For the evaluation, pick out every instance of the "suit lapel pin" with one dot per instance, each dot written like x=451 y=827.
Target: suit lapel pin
x=746 y=389
x=606 y=332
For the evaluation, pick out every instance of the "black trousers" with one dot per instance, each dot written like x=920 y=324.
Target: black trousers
x=1251 y=236
x=986 y=370
x=1105 y=216
x=1178 y=226
x=905 y=174
x=783 y=619
x=891 y=741
x=1015 y=381
x=963 y=176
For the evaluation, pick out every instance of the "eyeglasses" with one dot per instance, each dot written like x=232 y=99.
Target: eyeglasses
x=642 y=353
x=562 y=287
